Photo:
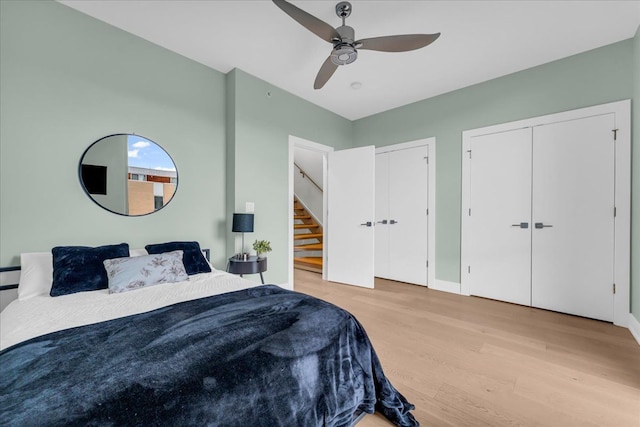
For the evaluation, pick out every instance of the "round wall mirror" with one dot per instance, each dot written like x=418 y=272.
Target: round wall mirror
x=128 y=174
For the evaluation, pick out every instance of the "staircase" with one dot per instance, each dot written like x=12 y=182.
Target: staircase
x=307 y=240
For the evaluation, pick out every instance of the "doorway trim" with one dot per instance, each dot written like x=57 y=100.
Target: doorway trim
x=294 y=142
x=622 y=234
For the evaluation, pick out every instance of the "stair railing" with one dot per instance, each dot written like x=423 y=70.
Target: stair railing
x=306 y=176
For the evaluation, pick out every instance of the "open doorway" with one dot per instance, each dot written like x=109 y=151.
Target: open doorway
x=348 y=184
x=307 y=205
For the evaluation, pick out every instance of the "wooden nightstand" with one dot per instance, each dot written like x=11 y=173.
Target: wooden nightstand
x=253 y=265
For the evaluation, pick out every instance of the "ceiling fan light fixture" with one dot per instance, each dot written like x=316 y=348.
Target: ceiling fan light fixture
x=344 y=54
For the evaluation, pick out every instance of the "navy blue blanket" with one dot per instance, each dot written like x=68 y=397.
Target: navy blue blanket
x=258 y=357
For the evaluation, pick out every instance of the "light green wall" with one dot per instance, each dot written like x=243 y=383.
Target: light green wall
x=67 y=80
x=635 y=183
x=594 y=77
x=263 y=118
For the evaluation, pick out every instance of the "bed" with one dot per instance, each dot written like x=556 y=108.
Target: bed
x=210 y=349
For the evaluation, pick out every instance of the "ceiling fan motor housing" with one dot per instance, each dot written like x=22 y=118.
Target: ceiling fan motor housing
x=344 y=51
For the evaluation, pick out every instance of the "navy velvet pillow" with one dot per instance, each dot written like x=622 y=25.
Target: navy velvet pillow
x=80 y=268
x=192 y=257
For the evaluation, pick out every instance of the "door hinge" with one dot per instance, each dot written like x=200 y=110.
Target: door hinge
x=615 y=134
x=615 y=211
x=427 y=211
x=469 y=211
x=427 y=263
x=469 y=269
x=614 y=288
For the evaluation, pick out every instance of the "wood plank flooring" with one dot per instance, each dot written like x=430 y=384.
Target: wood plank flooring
x=467 y=361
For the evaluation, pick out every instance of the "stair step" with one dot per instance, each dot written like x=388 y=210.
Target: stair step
x=317 y=261
x=310 y=247
x=303 y=236
x=302 y=226
x=306 y=263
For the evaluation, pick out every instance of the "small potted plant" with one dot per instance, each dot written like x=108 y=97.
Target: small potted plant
x=261 y=247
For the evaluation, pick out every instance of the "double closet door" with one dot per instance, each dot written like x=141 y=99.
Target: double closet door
x=542 y=216
x=401 y=206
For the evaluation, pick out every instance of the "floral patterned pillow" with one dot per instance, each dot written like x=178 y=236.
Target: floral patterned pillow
x=126 y=274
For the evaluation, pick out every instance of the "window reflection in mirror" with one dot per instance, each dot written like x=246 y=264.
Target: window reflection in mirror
x=128 y=174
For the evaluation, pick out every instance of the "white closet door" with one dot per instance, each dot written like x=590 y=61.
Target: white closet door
x=500 y=201
x=573 y=192
x=382 y=216
x=351 y=210
x=408 y=225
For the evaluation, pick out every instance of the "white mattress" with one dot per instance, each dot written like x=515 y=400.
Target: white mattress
x=22 y=320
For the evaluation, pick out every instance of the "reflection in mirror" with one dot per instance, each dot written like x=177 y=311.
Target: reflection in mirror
x=128 y=174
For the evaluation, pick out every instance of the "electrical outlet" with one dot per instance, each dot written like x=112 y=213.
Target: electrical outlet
x=249 y=207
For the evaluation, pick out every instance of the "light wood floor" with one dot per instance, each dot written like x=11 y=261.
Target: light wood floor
x=467 y=361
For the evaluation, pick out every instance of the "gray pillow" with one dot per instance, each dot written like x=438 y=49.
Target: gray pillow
x=126 y=274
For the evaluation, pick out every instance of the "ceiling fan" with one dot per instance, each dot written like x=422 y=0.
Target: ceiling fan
x=345 y=47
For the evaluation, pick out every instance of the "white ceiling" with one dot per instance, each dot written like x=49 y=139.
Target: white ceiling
x=480 y=40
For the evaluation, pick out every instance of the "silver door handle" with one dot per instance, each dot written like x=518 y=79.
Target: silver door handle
x=384 y=221
x=393 y=221
x=368 y=223
x=521 y=225
x=542 y=225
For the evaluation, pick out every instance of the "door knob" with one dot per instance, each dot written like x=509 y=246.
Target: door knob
x=393 y=221
x=541 y=225
x=368 y=223
x=521 y=225
x=384 y=221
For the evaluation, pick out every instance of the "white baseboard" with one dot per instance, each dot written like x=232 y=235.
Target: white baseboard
x=446 y=286
x=634 y=327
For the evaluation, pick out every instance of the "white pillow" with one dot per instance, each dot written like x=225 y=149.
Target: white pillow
x=36 y=274
x=138 y=252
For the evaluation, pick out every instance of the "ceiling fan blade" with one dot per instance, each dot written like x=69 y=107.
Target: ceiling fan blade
x=325 y=73
x=317 y=26
x=401 y=43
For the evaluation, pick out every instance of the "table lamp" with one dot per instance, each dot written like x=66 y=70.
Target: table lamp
x=242 y=223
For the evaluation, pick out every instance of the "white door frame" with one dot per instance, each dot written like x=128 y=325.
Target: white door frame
x=431 y=199
x=294 y=142
x=622 y=111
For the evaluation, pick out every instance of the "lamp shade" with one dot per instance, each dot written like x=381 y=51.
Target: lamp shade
x=242 y=222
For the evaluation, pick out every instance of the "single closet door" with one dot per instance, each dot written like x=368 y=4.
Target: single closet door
x=573 y=215
x=500 y=212
x=402 y=189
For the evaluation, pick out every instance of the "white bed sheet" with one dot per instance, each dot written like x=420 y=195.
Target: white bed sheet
x=23 y=320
